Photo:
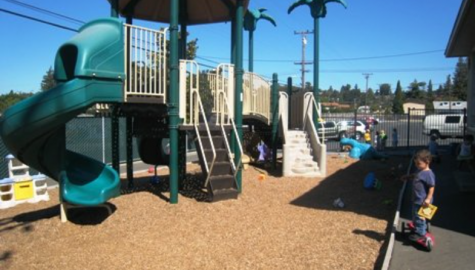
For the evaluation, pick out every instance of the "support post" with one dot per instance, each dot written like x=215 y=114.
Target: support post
x=408 y=135
x=238 y=18
x=114 y=8
x=129 y=152
x=316 y=70
x=173 y=101
x=275 y=117
x=251 y=51
x=115 y=140
x=289 y=93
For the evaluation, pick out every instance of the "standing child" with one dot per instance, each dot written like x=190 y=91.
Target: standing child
x=423 y=186
x=384 y=138
x=395 y=137
x=467 y=149
x=434 y=148
x=377 y=141
x=367 y=137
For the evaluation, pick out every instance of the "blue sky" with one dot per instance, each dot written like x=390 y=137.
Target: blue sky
x=392 y=39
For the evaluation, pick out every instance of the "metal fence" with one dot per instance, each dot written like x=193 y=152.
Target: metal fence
x=414 y=128
x=91 y=136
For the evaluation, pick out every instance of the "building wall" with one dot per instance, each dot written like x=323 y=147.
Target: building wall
x=471 y=93
x=411 y=105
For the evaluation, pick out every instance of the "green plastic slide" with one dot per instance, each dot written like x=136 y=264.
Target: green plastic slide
x=89 y=69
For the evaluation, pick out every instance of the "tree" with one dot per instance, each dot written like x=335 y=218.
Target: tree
x=398 y=99
x=48 y=81
x=447 y=90
x=430 y=97
x=385 y=89
x=415 y=91
x=460 y=80
x=7 y=100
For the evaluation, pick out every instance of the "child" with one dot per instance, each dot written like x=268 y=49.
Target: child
x=434 y=148
x=367 y=137
x=395 y=137
x=377 y=141
x=423 y=186
x=384 y=138
x=466 y=149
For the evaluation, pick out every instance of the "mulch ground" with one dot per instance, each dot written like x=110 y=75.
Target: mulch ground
x=276 y=223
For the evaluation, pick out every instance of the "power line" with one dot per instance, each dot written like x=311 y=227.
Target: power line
x=344 y=59
x=44 y=11
x=38 y=20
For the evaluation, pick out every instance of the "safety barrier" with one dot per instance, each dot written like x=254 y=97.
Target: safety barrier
x=145 y=62
x=256 y=96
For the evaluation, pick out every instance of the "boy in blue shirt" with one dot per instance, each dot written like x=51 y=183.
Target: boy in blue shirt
x=423 y=186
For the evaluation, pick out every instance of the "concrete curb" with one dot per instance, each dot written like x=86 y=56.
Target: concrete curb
x=392 y=238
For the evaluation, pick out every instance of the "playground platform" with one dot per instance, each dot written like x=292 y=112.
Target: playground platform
x=453 y=225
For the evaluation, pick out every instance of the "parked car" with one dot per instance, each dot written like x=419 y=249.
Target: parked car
x=444 y=125
x=328 y=130
x=350 y=129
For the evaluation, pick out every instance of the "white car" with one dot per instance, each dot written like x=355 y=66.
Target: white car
x=348 y=127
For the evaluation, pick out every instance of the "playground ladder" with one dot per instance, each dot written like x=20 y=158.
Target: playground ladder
x=214 y=152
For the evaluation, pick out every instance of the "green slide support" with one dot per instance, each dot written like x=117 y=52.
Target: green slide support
x=89 y=69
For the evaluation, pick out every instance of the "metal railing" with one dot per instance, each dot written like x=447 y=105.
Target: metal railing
x=224 y=92
x=230 y=153
x=190 y=99
x=256 y=96
x=145 y=62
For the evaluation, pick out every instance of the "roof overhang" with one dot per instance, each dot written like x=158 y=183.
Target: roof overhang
x=462 y=39
x=192 y=11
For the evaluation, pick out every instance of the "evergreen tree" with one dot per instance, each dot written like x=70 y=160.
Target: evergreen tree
x=415 y=91
x=447 y=90
x=398 y=99
x=48 y=81
x=7 y=100
x=385 y=89
x=460 y=81
x=430 y=97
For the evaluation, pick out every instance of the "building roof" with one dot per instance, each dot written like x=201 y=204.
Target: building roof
x=195 y=11
x=462 y=39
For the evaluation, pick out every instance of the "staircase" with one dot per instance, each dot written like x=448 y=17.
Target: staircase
x=221 y=182
x=299 y=155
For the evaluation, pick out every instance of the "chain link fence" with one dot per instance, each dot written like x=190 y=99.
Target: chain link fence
x=91 y=136
x=414 y=129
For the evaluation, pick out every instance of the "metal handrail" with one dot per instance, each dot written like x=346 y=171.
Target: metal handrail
x=235 y=166
x=201 y=110
x=196 y=109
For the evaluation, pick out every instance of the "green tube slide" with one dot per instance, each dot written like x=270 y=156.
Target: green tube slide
x=89 y=69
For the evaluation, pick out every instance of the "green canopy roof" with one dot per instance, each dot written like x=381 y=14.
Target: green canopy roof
x=197 y=11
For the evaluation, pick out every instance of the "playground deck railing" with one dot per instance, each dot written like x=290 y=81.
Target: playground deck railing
x=145 y=62
x=256 y=96
x=191 y=101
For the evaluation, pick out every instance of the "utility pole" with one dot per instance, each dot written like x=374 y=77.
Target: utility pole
x=303 y=62
x=366 y=75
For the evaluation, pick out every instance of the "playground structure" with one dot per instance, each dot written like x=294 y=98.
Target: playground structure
x=362 y=150
x=128 y=67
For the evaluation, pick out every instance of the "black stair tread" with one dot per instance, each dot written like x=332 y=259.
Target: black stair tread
x=218 y=182
x=225 y=194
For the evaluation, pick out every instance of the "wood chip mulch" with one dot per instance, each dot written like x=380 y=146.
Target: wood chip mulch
x=276 y=223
